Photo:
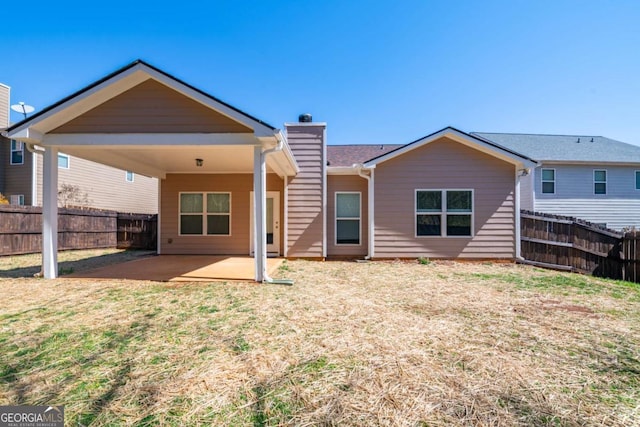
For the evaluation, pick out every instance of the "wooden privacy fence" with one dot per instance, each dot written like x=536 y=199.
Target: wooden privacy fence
x=21 y=229
x=566 y=243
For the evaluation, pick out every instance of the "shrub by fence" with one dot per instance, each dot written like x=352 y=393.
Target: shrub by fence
x=566 y=243
x=21 y=229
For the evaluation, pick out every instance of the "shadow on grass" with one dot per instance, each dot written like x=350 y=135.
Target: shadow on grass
x=79 y=371
x=72 y=266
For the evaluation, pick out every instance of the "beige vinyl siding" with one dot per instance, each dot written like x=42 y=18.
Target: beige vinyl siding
x=17 y=178
x=240 y=187
x=107 y=187
x=4 y=106
x=305 y=228
x=151 y=107
x=346 y=183
x=445 y=164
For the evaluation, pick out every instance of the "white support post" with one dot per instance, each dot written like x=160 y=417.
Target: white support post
x=50 y=214
x=259 y=217
x=518 y=243
x=371 y=214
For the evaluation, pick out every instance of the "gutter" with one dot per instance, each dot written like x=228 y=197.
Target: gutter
x=279 y=147
x=360 y=168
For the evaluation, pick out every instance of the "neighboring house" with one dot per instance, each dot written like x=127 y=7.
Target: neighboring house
x=232 y=184
x=82 y=182
x=589 y=177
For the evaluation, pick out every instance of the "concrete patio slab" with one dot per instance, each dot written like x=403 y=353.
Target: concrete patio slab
x=181 y=268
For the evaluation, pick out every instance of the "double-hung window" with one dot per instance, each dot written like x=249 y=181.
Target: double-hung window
x=348 y=218
x=599 y=182
x=205 y=214
x=548 y=181
x=444 y=213
x=17 y=152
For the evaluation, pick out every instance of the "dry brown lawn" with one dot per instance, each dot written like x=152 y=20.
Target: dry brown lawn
x=381 y=343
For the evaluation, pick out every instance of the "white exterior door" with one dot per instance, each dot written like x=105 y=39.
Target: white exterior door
x=273 y=222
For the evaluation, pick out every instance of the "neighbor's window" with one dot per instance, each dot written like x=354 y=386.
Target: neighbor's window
x=17 y=199
x=548 y=181
x=637 y=180
x=347 y=218
x=63 y=161
x=129 y=176
x=600 y=182
x=205 y=214
x=17 y=152
x=444 y=213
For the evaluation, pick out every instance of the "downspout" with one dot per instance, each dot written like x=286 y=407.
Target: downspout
x=370 y=239
x=266 y=278
x=518 y=238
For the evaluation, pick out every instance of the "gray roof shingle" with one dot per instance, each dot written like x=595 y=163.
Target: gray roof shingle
x=347 y=155
x=569 y=148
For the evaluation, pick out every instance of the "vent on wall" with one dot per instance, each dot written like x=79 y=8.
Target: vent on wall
x=305 y=118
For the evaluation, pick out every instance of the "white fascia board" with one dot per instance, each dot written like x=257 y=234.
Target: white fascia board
x=341 y=170
x=259 y=129
x=25 y=135
x=461 y=138
x=86 y=101
x=586 y=163
x=157 y=139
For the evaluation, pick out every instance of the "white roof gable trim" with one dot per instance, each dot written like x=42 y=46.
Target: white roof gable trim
x=74 y=107
x=462 y=138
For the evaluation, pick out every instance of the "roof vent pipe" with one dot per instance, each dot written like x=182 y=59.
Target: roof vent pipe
x=305 y=118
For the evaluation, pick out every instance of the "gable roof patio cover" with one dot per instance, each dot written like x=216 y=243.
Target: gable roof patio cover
x=144 y=120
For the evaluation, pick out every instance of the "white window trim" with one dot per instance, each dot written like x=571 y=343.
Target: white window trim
x=204 y=213
x=605 y=182
x=126 y=176
x=542 y=180
x=443 y=213
x=21 y=150
x=359 y=218
x=635 y=180
x=68 y=161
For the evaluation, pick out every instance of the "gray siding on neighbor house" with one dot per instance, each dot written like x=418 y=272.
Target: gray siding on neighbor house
x=574 y=195
x=106 y=187
x=346 y=183
x=240 y=187
x=445 y=164
x=151 y=107
x=305 y=191
x=16 y=178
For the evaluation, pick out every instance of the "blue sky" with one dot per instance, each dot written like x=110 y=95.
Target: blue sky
x=375 y=71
